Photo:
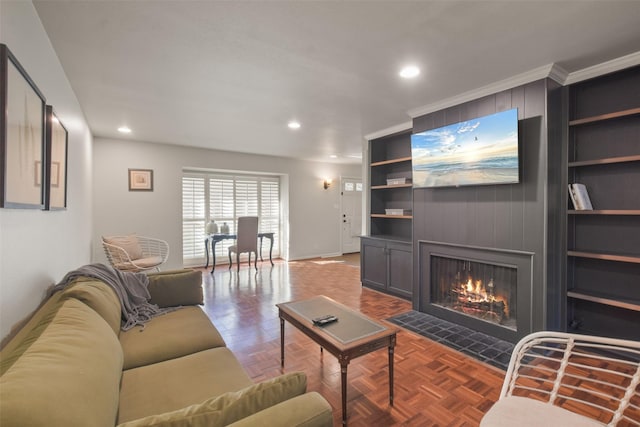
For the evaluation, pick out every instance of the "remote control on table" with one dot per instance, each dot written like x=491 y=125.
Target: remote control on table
x=323 y=320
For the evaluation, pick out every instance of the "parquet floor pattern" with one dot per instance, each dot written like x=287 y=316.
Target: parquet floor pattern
x=434 y=385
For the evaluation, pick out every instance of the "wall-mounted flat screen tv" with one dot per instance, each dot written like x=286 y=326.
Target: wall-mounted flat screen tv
x=474 y=152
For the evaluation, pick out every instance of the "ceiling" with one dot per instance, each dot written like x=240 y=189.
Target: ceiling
x=229 y=75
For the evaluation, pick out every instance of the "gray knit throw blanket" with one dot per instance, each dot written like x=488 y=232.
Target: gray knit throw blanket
x=131 y=289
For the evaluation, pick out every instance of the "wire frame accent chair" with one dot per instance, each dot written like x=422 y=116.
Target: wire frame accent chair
x=562 y=379
x=135 y=253
x=246 y=240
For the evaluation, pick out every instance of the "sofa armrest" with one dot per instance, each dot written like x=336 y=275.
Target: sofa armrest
x=176 y=287
x=307 y=410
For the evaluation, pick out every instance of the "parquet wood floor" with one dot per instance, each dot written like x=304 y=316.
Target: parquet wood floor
x=434 y=385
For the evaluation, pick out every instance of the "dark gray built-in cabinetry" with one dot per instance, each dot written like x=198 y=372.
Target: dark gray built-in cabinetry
x=386 y=265
x=603 y=244
x=386 y=257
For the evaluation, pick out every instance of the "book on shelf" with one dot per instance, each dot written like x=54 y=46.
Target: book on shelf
x=580 y=197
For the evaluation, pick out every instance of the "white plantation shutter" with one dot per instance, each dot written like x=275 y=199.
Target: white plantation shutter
x=221 y=207
x=221 y=198
x=270 y=210
x=224 y=198
x=193 y=217
x=247 y=197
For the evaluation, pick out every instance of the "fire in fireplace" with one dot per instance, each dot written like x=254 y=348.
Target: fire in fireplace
x=477 y=289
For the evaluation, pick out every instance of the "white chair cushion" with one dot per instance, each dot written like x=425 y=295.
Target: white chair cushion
x=148 y=262
x=518 y=411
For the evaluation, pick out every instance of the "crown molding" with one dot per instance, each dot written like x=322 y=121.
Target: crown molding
x=604 y=68
x=389 y=131
x=550 y=70
x=558 y=74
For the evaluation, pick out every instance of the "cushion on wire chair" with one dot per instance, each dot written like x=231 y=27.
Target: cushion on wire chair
x=130 y=244
x=135 y=253
x=149 y=262
x=515 y=411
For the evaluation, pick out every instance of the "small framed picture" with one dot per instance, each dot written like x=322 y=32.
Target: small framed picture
x=140 y=179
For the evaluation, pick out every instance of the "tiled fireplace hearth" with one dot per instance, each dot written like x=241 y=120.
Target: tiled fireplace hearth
x=485 y=289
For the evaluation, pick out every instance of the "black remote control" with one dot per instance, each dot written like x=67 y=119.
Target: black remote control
x=323 y=320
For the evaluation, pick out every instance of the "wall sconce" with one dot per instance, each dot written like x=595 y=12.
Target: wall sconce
x=327 y=183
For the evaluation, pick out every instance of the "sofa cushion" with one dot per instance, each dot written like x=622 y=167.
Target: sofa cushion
x=174 y=384
x=231 y=406
x=100 y=297
x=69 y=376
x=171 y=335
x=130 y=244
x=307 y=410
x=176 y=287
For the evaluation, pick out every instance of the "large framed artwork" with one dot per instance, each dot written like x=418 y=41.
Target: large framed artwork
x=56 y=136
x=22 y=130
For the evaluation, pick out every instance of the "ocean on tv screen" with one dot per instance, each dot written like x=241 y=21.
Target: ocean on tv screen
x=473 y=152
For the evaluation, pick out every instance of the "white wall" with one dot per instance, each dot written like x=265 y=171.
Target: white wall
x=314 y=213
x=36 y=247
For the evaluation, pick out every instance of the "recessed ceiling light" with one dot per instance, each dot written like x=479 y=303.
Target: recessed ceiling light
x=294 y=125
x=333 y=156
x=124 y=129
x=409 y=72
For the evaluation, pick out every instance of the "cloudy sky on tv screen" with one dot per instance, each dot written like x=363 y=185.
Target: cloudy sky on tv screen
x=474 y=152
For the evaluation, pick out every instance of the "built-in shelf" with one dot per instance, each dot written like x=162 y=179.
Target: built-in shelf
x=391 y=216
x=605 y=161
x=605 y=256
x=382 y=187
x=605 y=299
x=629 y=212
x=614 y=115
x=388 y=162
x=386 y=253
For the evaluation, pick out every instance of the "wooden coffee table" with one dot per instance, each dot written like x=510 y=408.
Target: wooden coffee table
x=353 y=335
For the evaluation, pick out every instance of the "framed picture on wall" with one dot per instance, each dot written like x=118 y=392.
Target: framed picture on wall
x=140 y=179
x=22 y=136
x=56 y=144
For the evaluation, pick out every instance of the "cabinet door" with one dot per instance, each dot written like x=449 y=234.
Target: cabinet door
x=400 y=270
x=374 y=263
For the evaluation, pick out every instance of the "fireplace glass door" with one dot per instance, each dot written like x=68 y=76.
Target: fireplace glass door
x=484 y=291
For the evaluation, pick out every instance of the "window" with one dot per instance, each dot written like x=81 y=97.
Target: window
x=223 y=198
x=349 y=186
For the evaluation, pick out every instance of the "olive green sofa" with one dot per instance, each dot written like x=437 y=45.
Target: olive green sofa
x=71 y=365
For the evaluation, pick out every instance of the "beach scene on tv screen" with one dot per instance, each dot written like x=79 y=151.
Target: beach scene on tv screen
x=473 y=152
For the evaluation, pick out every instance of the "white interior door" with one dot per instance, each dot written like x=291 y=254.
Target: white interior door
x=351 y=215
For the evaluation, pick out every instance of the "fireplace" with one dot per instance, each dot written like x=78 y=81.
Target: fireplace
x=477 y=289
x=486 y=289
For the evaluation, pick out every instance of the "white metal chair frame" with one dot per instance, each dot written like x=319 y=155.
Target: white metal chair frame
x=151 y=248
x=571 y=370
